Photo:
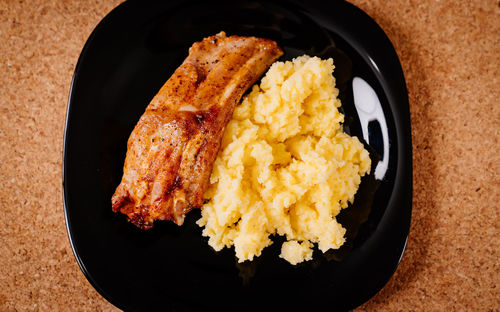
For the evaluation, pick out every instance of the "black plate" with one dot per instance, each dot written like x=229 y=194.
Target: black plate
x=128 y=57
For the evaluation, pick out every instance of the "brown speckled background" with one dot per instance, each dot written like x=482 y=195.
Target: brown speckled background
x=450 y=53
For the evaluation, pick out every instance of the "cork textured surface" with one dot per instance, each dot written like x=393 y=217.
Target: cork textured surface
x=450 y=54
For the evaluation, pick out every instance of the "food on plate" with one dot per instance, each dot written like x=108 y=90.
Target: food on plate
x=285 y=166
x=172 y=148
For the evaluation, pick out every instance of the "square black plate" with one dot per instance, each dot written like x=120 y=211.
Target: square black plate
x=128 y=57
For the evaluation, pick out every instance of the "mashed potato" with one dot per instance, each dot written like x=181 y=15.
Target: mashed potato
x=285 y=166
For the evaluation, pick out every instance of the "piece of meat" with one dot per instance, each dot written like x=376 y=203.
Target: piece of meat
x=171 y=150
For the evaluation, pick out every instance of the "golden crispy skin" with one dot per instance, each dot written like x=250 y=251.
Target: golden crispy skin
x=172 y=148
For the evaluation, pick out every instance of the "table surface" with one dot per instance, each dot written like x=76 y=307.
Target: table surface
x=450 y=53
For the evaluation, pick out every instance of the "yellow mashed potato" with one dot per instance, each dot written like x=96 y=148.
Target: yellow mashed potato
x=285 y=166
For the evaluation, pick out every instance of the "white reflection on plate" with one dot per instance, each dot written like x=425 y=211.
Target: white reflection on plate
x=369 y=109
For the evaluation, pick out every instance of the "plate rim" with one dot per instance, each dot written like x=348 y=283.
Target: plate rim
x=101 y=24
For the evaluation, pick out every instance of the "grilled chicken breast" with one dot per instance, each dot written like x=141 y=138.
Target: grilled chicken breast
x=171 y=150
